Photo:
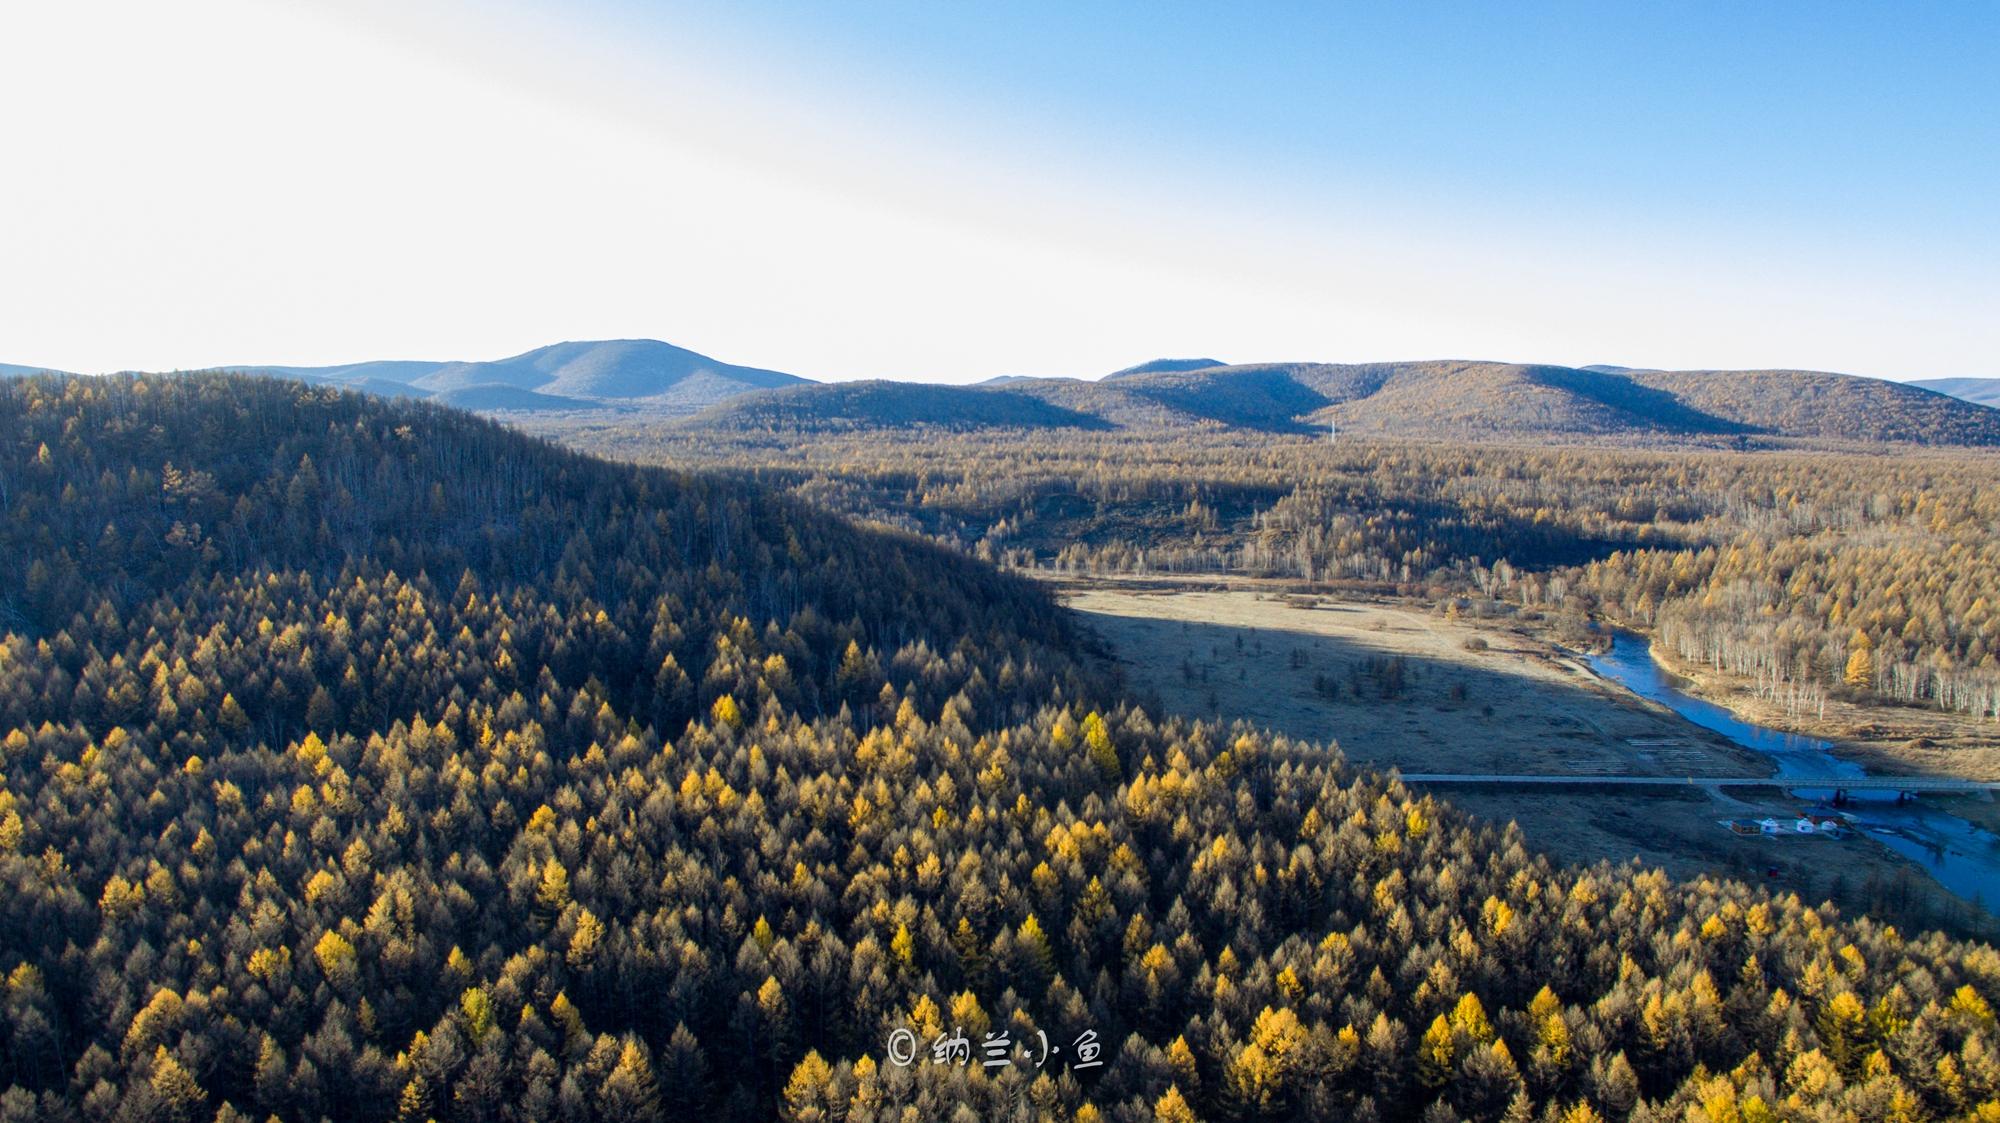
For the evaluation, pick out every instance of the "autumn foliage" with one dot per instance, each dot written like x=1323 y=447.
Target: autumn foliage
x=459 y=777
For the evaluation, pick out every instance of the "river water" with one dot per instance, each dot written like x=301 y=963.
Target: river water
x=1962 y=857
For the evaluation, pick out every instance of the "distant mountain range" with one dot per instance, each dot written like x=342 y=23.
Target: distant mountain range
x=629 y=373
x=1448 y=399
x=1441 y=399
x=1985 y=391
x=605 y=374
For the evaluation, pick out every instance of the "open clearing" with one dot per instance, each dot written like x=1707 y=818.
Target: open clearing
x=1394 y=685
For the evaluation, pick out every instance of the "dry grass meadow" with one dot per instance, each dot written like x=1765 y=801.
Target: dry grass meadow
x=1396 y=685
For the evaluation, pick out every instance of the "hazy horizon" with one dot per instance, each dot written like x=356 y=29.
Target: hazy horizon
x=1088 y=376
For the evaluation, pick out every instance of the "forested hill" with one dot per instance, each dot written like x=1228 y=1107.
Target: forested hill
x=1449 y=400
x=1816 y=404
x=850 y=406
x=126 y=489
x=361 y=760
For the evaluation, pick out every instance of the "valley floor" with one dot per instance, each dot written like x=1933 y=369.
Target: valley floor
x=1397 y=685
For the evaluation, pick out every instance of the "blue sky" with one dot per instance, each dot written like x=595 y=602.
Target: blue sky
x=1743 y=105
x=1880 y=123
x=949 y=191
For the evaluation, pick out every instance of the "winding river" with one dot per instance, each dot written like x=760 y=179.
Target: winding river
x=1963 y=858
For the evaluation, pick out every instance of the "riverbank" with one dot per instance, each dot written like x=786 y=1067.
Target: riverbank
x=1883 y=738
x=1399 y=684
x=1959 y=853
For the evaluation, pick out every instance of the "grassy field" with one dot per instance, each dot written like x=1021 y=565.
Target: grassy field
x=1394 y=685
x=1397 y=685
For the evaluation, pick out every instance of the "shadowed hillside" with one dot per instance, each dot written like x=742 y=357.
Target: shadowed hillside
x=496 y=397
x=1836 y=406
x=843 y=406
x=1265 y=398
x=1503 y=400
x=1113 y=401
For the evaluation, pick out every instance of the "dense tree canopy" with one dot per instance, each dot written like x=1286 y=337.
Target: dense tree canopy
x=1775 y=565
x=371 y=762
